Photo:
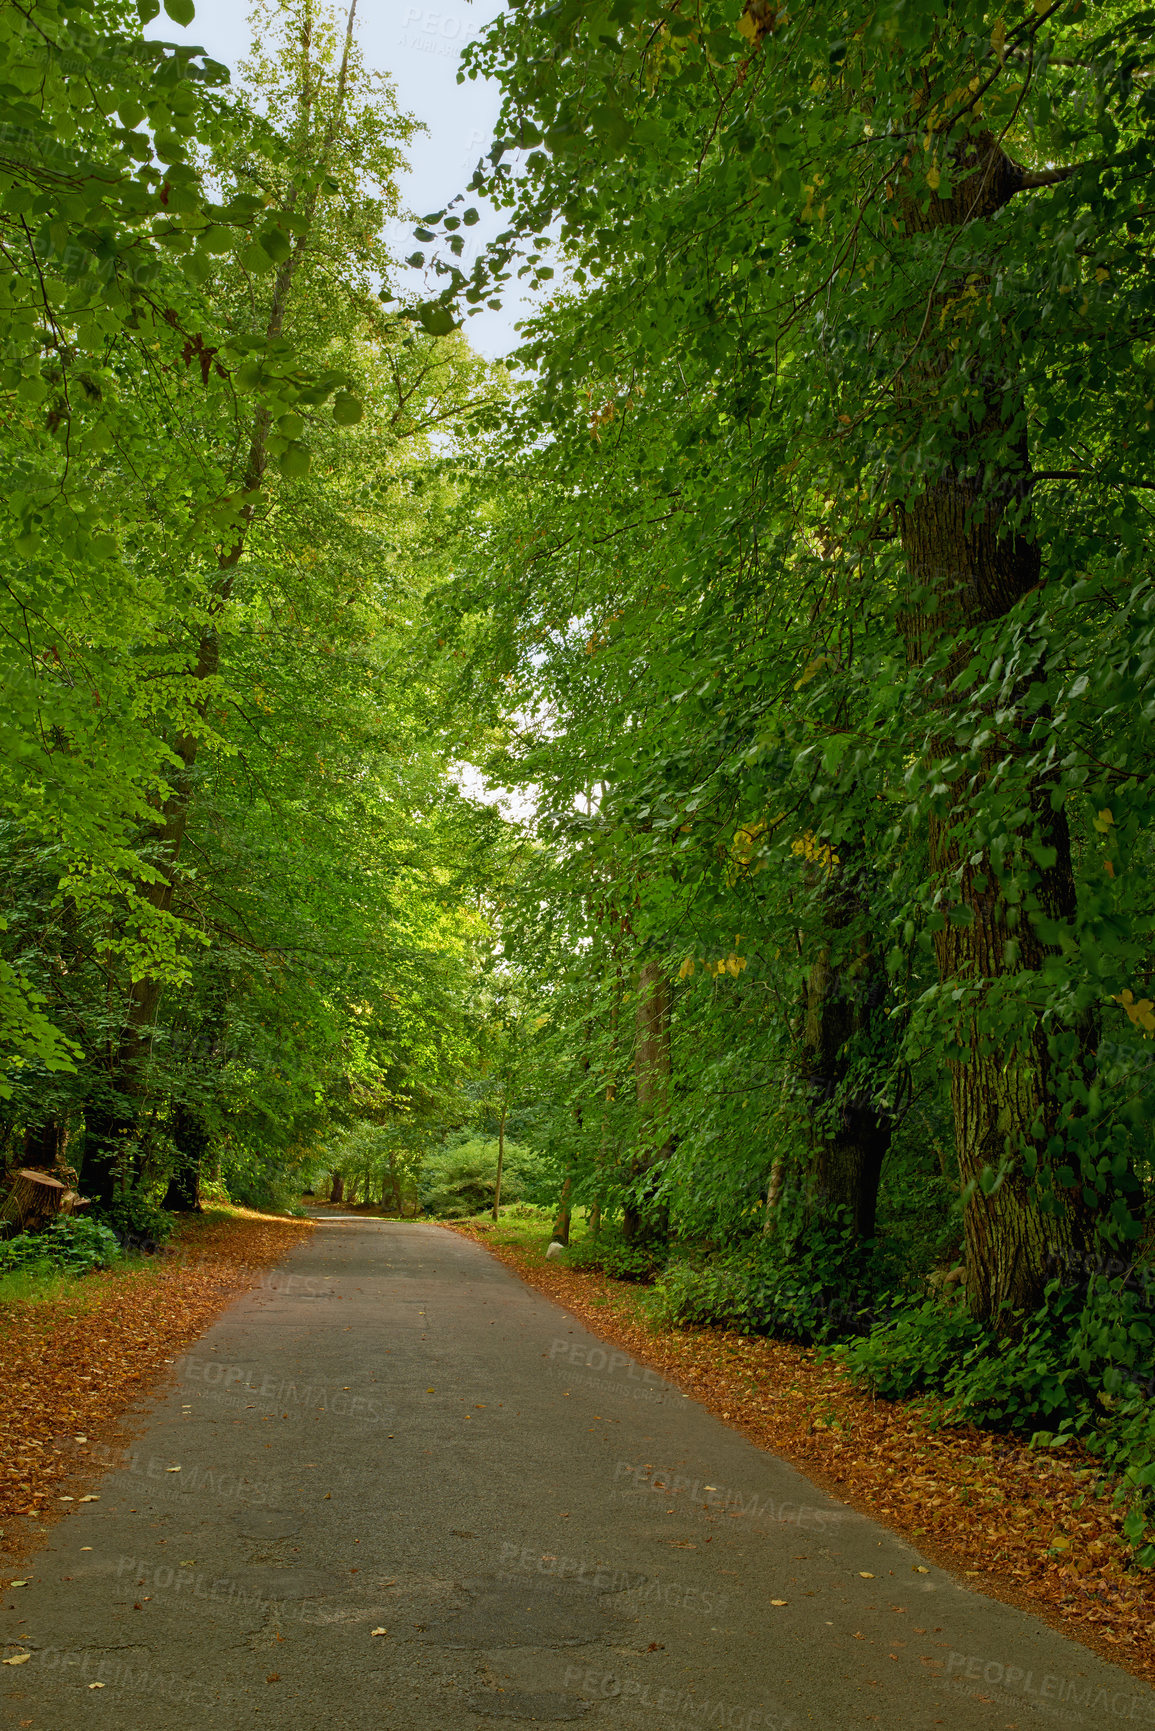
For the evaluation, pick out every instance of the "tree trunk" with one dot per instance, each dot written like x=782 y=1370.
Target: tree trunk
x=109 y=1144
x=337 y=1188
x=43 y=1145
x=643 y=1220
x=500 y=1161
x=128 y=1055
x=849 y=1132
x=968 y=566
x=191 y=1140
x=561 y=1224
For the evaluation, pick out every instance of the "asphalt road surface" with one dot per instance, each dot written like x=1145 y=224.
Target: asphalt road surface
x=414 y=1494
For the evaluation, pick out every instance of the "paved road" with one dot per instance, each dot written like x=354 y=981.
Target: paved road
x=415 y=1494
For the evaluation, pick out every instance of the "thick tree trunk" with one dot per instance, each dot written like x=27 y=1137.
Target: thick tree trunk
x=43 y=1145
x=337 y=1188
x=109 y=1146
x=968 y=566
x=191 y=1141
x=849 y=1131
x=644 y=1220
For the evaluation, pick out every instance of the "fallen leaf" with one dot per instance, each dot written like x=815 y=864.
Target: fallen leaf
x=273 y=1677
x=172 y=1469
x=778 y=1601
x=378 y=1631
x=17 y=1659
x=96 y=1685
x=18 y=1583
x=90 y=1499
x=866 y=1574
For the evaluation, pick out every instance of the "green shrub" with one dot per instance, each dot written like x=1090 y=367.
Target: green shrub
x=814 y=1286
x=458 y=1180
x=915 y=1348
x=138 y=1220
x=1080 y=1368
x=71 y=1244
x=610 y=1253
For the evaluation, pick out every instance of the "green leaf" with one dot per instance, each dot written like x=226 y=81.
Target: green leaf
x=276 y=243
x=295 y=461
x=436 y=319
x=217 y=239
x=347 y=410
x=180 y=11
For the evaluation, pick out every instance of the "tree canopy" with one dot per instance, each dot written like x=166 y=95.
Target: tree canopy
x=797 y=570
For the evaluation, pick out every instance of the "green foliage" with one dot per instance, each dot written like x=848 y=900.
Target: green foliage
x=1077 y=1369
x=611 y=1254
x=811 y=1282
x=137 y=1218
x=458 y=1181
x=72 y=1244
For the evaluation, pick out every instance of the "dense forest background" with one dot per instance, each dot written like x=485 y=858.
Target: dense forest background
x=796 y=572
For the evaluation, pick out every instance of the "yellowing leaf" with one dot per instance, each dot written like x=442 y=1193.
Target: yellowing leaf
x=17 y=1659
x=686 y=971
x=999 y=37
x=933 y=176
x=1140 y=1014
x=866 y=1574
x=378 y=1631
x=808 y=672
x=1103 y=821
x=748 y=28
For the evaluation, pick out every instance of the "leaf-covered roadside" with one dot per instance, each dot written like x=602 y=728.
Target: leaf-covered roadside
x=74 y=1365
x=1022 y=1525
